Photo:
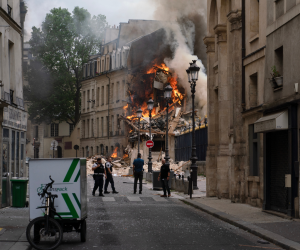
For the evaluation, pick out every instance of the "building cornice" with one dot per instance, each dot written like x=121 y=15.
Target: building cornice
x=209 y=41
x=11 y=22
x=235 y=19
x=221 y=32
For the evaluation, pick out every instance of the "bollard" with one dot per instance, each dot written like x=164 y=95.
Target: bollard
x=190 y=190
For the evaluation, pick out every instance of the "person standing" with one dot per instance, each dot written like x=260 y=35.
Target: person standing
x=164 y=176
x=137 y=168
x=109 y=178
x=99 y=172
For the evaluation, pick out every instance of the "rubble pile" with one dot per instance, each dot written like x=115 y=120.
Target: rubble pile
x=120 y=166
x=179 y=122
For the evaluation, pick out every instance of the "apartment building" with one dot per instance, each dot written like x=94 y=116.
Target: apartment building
x=104 y=90
x=12 y=113
x=253 y=151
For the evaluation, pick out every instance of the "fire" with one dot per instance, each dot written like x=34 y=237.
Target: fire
x=115 y=153
x=176 y=95
x=125 y=156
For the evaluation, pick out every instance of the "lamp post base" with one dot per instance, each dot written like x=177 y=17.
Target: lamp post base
x=194 y=168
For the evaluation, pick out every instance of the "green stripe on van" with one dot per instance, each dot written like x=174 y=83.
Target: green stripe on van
x=71 y=170
x=70 y=205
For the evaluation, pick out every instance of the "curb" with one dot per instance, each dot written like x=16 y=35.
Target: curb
x=247 y=226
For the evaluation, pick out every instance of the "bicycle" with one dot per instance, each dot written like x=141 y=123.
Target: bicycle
x=45 y=233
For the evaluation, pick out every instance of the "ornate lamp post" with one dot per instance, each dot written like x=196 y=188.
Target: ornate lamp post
x=167 y=96
x=192 y=73
x=150 y=104
x=139 y=113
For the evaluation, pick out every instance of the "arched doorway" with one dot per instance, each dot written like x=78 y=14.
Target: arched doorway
x=59 y=152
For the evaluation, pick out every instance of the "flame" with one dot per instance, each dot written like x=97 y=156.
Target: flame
x=176 y=95
x=125 y=156
x=115 y=153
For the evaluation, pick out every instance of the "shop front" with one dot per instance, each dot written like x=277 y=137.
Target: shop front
x=280 y=159
x=14 y=126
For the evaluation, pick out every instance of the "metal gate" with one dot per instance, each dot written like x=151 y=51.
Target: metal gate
x=278 y=166
x=183 y=145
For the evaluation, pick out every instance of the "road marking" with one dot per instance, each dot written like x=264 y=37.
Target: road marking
x=131 y=198
x=160 y=199
x=108 y=199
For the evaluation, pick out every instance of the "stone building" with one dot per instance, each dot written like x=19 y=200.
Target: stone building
x=13 y=118
x=252 y=152
x=104 y=90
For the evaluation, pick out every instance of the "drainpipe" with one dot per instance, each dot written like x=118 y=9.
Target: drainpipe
x=243 y=54
x=108 y=104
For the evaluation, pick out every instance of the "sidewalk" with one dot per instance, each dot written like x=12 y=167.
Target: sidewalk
x=280 y=231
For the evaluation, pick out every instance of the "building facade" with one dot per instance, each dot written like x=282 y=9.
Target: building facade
x=252 y=152
x=12 y=113
x=104 y=90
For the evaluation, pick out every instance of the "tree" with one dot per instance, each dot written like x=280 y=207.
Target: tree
x=62 y=45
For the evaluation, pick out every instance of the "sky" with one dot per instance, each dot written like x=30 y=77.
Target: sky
x=116 y=11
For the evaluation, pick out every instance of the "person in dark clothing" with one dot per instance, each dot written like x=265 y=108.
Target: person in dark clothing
x=164 y=176
x=109 y=178
x=138 y=172
x=99 y=172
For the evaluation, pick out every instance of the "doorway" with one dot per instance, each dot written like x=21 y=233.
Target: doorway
x=59 y=152
x=277 y=166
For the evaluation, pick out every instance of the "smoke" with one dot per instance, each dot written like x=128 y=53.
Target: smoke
x=186 y=28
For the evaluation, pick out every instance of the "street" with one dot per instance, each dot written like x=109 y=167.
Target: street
x=146 y=221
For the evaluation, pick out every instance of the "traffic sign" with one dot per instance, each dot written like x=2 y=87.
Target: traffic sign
x=149 y=144
x=54 y=143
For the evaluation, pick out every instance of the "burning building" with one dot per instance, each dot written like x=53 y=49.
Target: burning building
x=121 y=80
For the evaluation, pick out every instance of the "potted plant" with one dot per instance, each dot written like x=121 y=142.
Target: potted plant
x=277 y=79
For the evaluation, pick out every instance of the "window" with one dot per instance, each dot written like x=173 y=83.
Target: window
x=87 y=151
x=107 y=88
x=11 y=65
x=279 y=60
x=88 y=98
x=68 y=145
x=124 y=88
x=112 y=92
x=83 y=129
x=9 y=10
x=102 y=95
x=97 y=129
x=102 y=126
x=92 y=151
x=117 y=91
x=82 y=151
x=102 y=66
x=97 y=150
x=93 y=97
x=279 y=8
x=253 y=151
x=54 y=129
x=107 y=126
x=98 y=97
x=88 y=129
x=92 y=129
x=71 y=128
x=253 y=91
x=83 y=100
x=112 y=124
x=254 y=17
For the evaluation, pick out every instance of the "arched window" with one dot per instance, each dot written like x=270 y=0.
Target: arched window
x=82 y=151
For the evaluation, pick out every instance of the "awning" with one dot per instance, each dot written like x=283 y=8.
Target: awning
x=278 y=121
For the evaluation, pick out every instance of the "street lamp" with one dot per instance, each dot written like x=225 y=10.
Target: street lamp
x=150 y=105
x=139 y=113
x=167 y=96
x=192 y=73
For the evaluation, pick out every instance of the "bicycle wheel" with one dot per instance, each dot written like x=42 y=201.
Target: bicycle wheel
x=42 y=238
